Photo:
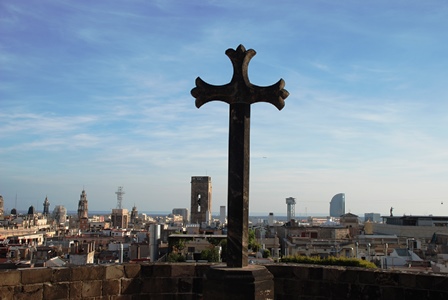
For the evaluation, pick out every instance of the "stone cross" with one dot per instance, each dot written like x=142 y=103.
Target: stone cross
x=239 y=93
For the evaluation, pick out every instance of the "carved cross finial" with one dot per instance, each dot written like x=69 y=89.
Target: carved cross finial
x=239 y=89
x=239 y=93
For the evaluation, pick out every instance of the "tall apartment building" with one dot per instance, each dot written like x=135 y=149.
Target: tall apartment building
x=201 y=199
x=337 y=205
x=119 y=218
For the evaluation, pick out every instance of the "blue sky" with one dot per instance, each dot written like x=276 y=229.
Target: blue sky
x=96 y=95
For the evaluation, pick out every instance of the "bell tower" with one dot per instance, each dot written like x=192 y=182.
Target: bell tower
x=201 y=199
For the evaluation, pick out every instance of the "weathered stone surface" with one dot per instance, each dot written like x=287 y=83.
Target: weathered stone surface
x=88 y=272
x=131 y=286
x=315 y=273
x=147 y=270
x=114 y=272
x=35 y=275
x=160 y=285
x=163 y=270
x=76 y=290
x=7 y=292
x=252 y=282
x=111 y=287
x=183 y=270
x=56 y=291
x=185 y=285
x=92 y=288
x=10 y=277
x=61 y=274
x=31 y=291
x=132 y=270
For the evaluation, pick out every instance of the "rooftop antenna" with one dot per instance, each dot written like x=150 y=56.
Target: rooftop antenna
x=120 y=194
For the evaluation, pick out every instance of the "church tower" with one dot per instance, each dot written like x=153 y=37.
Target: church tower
x=201 y=199
x=83 y=211
x=46 y=211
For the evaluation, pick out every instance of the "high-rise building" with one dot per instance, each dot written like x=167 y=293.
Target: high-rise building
x=119 y=218
x=46 y=211
x=222 y=215
x=337 y=205
x=290 y=209
x=201 y=199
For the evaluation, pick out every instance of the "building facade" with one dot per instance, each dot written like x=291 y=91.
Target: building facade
x=119 y=218
x=201 y=199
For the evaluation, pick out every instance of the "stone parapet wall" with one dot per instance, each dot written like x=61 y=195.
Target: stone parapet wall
x=298 y=281
x=163 y=281
x=126 y=281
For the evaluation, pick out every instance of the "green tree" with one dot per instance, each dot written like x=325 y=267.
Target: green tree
x=266 y=253
x=211 y=255
x=252 y=243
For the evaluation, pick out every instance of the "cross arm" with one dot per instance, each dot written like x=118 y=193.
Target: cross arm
x=204 y=92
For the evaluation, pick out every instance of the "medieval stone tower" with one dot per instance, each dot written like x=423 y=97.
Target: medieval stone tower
x=201 y=199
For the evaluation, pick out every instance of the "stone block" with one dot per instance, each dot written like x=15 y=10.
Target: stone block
x=159 y=285
x=7 y=292
x=183 y=270
x=439 y=282
x=392 y=292
x=82 y=273
x=291 y=287
x=281 y=270
x=332 y=274
x=407 y=280
x=301 y=272
x=10 y=277
x=76 y=290
x=61 y=274
x=384 y=278
x=147 y=270
x=350 y=275
x=132 y=270
x=201 y=270
x=371 y=291
x=91 y=288
x=131 y=286
x=185 y=285
x=198 y=285
x=111 y=287
x=31 y=291
x=36 y=275
x=252 y=282
x=315 y=273
x=162 y=270
x=114 y=272
x=339 y=290
x=366 y=277
x=56 y=291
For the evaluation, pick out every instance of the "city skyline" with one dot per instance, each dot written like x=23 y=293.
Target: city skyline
x=96 y=95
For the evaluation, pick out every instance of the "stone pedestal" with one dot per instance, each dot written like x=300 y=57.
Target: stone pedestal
x=253 y=282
